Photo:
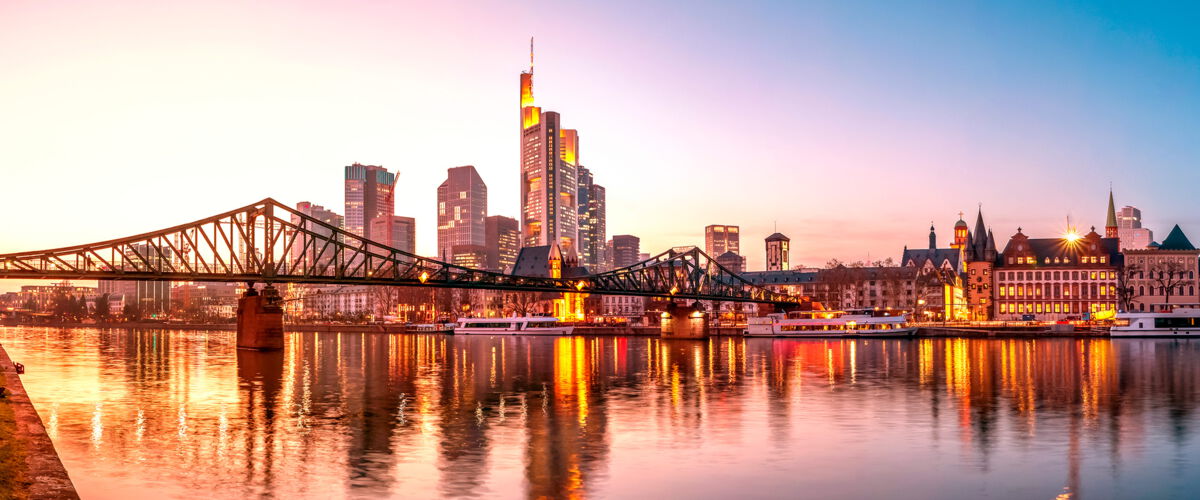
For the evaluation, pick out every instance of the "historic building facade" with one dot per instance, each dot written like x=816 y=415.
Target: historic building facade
x=1162 y=277
x=1047 y=279
x=939 y=271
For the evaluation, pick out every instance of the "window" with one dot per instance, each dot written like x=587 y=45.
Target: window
x=1103 y=259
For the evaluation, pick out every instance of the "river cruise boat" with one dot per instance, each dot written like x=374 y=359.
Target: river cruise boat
x=536 y=325
x=828 y=324
x=432 y=328
x=1178 y=323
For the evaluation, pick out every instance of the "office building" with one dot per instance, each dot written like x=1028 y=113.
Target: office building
x=368 y=195
x=549 y=159
x=626 y=250
x=719 y=239
x=502 y=239
x=304 y=254
x=1130 y=231
x=396 y=232
x=462 y=208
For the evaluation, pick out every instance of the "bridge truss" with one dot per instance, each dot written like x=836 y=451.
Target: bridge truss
x=272 y=243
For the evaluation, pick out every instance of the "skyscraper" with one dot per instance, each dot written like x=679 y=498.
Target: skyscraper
x=1130 y=231
x=592 y=225
x=402 y=235
x=549 y=157
x=503 y=241
x=597 y=228
x=306 y=254
x=777 y=252
x=462 y=208
x=626 y=249
x=368 y=195
x=719 y=239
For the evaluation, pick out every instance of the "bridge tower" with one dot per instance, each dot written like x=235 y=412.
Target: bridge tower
x=260 y=319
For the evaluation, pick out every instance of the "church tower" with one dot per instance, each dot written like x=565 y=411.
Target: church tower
x=960 y=233
x=1110 y=227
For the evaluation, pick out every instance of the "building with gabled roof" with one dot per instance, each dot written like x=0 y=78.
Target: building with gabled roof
x=1163 y=276
x=1047 y=279
x=939 y=278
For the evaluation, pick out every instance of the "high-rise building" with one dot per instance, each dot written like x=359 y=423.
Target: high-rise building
x=625 y=249
x=462 y=208
x=592 y=222
x=719 y=239
x=402 y=235
x=305 y=254
x=503 y=241
x=150 y=298
x=472 y=256
x=549 y=158
x=732 y=261
x=1130 y=231
x=778 y=252
x=368 y=195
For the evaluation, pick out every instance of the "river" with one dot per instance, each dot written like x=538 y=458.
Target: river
x=174 y=414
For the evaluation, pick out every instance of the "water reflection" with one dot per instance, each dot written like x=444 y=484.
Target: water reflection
x=149 y=414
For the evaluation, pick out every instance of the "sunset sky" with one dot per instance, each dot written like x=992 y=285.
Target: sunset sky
x=848 y=125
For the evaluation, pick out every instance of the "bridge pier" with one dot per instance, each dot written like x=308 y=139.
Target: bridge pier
x=260 y=320
x=684 y=322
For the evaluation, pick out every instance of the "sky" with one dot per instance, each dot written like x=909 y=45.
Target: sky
x=848 y=126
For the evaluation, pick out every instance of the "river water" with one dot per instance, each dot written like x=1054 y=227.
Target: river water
x=173 y=414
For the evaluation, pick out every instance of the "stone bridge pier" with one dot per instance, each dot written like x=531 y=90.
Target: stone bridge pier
x=684 y=322
x=260 y=319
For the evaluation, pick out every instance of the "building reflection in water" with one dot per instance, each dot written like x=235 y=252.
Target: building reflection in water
x=151 y=414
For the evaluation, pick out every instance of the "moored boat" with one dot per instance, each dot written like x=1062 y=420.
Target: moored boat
x=1178 y=323
x=535 y=325
x=828 y=324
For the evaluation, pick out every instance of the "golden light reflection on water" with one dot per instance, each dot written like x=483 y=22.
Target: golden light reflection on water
x=161 y=414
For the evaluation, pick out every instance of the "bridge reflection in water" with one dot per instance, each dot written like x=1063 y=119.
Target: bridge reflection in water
x=159 y=414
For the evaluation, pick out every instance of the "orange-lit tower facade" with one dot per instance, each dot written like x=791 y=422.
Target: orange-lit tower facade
x=549 y=171
x=960 y=233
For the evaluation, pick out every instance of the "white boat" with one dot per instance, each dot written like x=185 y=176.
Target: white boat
x=828 y=324
x=535 y=325
x=433 y=328
x=1178 y=323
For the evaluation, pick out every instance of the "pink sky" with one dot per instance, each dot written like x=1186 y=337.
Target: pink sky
x=848 y=131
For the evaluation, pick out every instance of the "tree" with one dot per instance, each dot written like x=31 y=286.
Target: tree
x=1125 y=291
x=522 y=303
x=1169 y=274
x=101 y=312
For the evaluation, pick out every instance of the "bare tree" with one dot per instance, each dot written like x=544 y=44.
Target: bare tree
x=1125 y=290
x=1168 y=274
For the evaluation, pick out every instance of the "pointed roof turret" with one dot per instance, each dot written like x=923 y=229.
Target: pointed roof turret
x=1176 y=241
x=991 y=244
x=1112 y=212
x=980 y=232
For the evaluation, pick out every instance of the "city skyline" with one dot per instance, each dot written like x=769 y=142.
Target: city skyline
x=118 y=132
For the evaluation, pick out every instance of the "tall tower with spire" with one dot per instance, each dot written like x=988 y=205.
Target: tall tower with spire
x=549 y=174
x=1111 y=230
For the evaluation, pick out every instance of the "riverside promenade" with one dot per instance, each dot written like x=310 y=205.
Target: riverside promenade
x=29 y=465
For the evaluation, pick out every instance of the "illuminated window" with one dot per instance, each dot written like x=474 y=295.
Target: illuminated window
x=1103 y=259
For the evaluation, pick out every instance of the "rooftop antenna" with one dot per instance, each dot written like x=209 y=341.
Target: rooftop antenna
x=531 y=55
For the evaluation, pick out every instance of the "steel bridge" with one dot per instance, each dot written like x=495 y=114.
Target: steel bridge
x=269 y=242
